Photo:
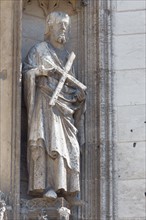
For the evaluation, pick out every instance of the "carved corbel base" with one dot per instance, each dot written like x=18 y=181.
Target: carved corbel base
x=3 y=207
x=64 y=213
x=43 y=209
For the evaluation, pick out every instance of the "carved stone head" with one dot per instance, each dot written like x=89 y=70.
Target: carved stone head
x=57 y=27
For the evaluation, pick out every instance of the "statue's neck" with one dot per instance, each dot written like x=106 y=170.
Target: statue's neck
x=56 y=44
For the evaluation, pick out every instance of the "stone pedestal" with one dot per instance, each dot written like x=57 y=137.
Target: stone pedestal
x=43 y=209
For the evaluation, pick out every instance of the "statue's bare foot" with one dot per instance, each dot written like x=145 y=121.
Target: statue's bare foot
x=50 y=194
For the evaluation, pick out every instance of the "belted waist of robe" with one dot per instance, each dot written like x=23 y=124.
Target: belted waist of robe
x=65 y=105
x=67 y=99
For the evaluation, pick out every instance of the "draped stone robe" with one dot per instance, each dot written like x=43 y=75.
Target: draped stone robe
x=53 y=149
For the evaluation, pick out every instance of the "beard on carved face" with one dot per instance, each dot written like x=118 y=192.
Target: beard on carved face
x=61 y=39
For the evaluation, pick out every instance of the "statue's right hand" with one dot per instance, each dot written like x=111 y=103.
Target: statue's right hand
x=80 y=95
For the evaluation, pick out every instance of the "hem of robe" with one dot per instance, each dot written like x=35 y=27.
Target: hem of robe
x=57 y=176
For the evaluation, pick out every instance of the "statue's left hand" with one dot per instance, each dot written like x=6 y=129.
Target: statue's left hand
x=80 y=95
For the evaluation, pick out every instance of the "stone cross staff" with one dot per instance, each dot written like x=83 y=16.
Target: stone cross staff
x=65 y=75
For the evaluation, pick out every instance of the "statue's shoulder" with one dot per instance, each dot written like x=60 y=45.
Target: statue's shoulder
x=40 y=46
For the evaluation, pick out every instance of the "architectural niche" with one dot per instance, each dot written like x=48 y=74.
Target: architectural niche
x=69 y=6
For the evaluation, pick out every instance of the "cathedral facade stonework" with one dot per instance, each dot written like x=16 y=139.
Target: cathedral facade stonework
x=108 y=39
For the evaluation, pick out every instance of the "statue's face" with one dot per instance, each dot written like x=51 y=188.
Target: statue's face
x=59 y=30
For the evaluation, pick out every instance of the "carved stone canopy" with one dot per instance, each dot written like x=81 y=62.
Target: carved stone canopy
x=69 y=6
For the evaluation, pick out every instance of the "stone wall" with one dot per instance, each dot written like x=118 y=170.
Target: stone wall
x=129 y=34
x=110 y=190
x=33 y=26
x=6 y=93
x=10 y=93
x=89 y=40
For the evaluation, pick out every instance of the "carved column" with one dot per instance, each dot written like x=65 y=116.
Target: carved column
x=98 y=182
x=108 y=207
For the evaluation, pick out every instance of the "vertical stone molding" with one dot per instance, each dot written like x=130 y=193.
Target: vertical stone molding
x=95 y=71
x=106 y=112
x=10 y=96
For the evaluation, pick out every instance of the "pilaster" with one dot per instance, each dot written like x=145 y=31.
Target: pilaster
x=10 y=96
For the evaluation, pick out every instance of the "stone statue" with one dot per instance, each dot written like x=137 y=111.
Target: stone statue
x=53 y=150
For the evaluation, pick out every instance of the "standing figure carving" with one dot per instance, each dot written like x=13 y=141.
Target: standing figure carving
x=53 y=152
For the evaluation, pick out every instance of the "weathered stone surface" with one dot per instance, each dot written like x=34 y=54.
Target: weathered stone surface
x=6 y=65
x=90 y=42
x=32 y=8
x=33 y=27
x=131 y=160
x=131 y=123
x=130 y=87
x=10 y=101
x=40 y=209
x=129 y=44
x=131 y=201
x=129 y=52
x=128 y=5
x=130 y=23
